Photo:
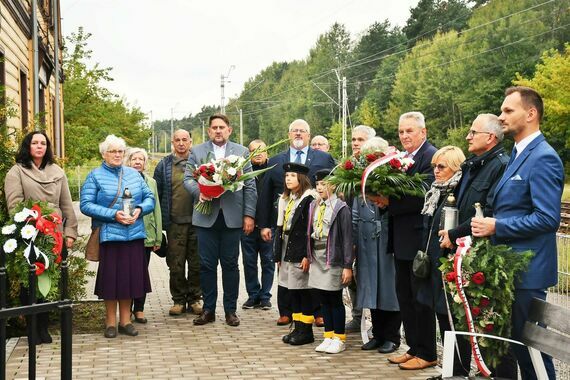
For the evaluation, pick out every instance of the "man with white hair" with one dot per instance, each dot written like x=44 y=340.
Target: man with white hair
x=298 y=152
x=406 y=234
x=360 y=134
x=320 y=143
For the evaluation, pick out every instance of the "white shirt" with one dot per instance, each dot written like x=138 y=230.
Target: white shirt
x=293 y=154
x=220 y=151
x=521 y=145
x=413 y=154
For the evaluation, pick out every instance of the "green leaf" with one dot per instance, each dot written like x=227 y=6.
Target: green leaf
x=44 y=284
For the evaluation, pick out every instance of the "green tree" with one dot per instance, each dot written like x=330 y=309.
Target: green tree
x=551 y=81
x=91 y=111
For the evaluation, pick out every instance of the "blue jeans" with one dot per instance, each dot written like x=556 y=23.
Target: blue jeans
x=520 y=309
x=219 y=243
x=253 y=245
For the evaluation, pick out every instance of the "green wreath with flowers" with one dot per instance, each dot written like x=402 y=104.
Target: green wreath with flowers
x=32 y=235
x=489 y=273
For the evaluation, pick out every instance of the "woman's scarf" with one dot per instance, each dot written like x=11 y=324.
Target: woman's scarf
x=437 y=188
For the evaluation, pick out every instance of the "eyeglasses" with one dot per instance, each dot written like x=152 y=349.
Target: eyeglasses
x=472 y=133
x=318 y=144
x=298 y=131
x=439 y=166
x=119 y=151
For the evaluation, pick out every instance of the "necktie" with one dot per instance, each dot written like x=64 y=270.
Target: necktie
x=513 y=156
x=320 y=218
x=298 y=158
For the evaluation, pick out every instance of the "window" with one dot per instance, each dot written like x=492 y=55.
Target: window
x=24 y=99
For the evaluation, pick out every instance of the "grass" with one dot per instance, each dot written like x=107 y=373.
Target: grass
x=566 y=192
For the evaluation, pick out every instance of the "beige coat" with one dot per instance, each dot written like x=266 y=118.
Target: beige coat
x=49 y=184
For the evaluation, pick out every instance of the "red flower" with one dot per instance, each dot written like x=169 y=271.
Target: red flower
x=40 y=268
x=58 y=259
x=58 y=242
x=489 y=328
x=371 y=157
x=478 y=278
x=475 y=311
x=450 y=277
x=37 y=209
x=484 y=302
x=348 y=165
x=395 y=163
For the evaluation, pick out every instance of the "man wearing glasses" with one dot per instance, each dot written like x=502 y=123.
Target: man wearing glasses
x=481 y=173
x=320 y=143
x=298 y=152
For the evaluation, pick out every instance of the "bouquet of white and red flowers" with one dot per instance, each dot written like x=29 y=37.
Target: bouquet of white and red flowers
x=34 y=227
x=216 y=176
x=378 y=174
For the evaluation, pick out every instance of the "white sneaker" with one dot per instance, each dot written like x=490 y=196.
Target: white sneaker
x=336 y=346
x=324 y=346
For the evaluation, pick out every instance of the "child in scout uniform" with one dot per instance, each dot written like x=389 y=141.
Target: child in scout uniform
x=331 y=256
x=291 y=250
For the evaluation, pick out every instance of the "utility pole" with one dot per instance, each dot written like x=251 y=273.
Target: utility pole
x=344 y=113
x=203 y=131
x=223 y=80
x=171 y=123
x=240 y=126
x=152 y=137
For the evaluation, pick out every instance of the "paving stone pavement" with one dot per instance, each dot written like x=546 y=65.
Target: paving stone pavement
x=173 y=348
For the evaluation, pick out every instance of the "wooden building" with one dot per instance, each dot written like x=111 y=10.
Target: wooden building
x=17 y=68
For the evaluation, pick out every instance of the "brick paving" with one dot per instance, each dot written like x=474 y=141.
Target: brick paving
x=173 y=348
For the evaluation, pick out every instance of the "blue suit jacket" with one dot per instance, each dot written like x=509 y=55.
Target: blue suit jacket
x=527 y=210
x=273 y=183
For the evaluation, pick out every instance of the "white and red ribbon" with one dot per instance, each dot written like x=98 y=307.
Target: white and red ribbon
x=463 y=248
x=370 y=168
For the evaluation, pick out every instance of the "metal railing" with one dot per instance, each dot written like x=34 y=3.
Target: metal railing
x=64 y=307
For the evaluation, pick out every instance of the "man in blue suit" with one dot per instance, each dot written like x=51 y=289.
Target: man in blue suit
x=219 y=232
x=273 y=184
x=526 y=209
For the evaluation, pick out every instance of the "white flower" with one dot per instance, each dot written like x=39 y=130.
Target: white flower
x=457 y=299
x=20 y=216
x=8 y=230
x=217 y=178
x=232 y=158
x=10 y=245
x=232 y=171
x=28 y=232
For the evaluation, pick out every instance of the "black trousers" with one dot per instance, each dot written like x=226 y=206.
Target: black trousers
x=418 y=320
x=284 y=301
x=301 y=301
x=386 y=325
x=138 y=303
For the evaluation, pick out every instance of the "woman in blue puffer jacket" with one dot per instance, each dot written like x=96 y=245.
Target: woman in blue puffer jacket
x=122 y=273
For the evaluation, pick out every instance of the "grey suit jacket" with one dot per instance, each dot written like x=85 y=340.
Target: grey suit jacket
x=235 y=205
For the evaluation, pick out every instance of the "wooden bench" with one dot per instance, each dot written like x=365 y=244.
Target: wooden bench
x=547 y=330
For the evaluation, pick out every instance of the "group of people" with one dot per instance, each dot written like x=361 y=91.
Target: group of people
x=320 y=241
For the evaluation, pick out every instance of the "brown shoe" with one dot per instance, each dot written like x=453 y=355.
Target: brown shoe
x=177 y=309
x=398 y=359
x=195 y=307
x=205 y=317
x=283 y=320
x=232 y=319
x=417 y=363
x=319 y=322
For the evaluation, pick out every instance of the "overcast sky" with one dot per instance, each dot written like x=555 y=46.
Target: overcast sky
x=169 y=54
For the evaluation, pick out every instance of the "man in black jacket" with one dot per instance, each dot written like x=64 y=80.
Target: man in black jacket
x=481 y=173
x=252 y=245
x=406 y=232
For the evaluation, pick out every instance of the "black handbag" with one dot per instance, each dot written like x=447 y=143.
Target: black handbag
x=422 y=263
x=161 y=252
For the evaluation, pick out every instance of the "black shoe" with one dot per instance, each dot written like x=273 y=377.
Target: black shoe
x=265 y=305
x=110 y=332
x=232 y=319
x=388 y=347
x=371 y=345
x=305 y=335
x=250 y=304
x=293 y=332
x=128 y=329
x=42 y=328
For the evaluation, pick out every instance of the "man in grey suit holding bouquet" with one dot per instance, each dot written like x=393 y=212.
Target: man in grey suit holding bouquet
x=219 y=231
